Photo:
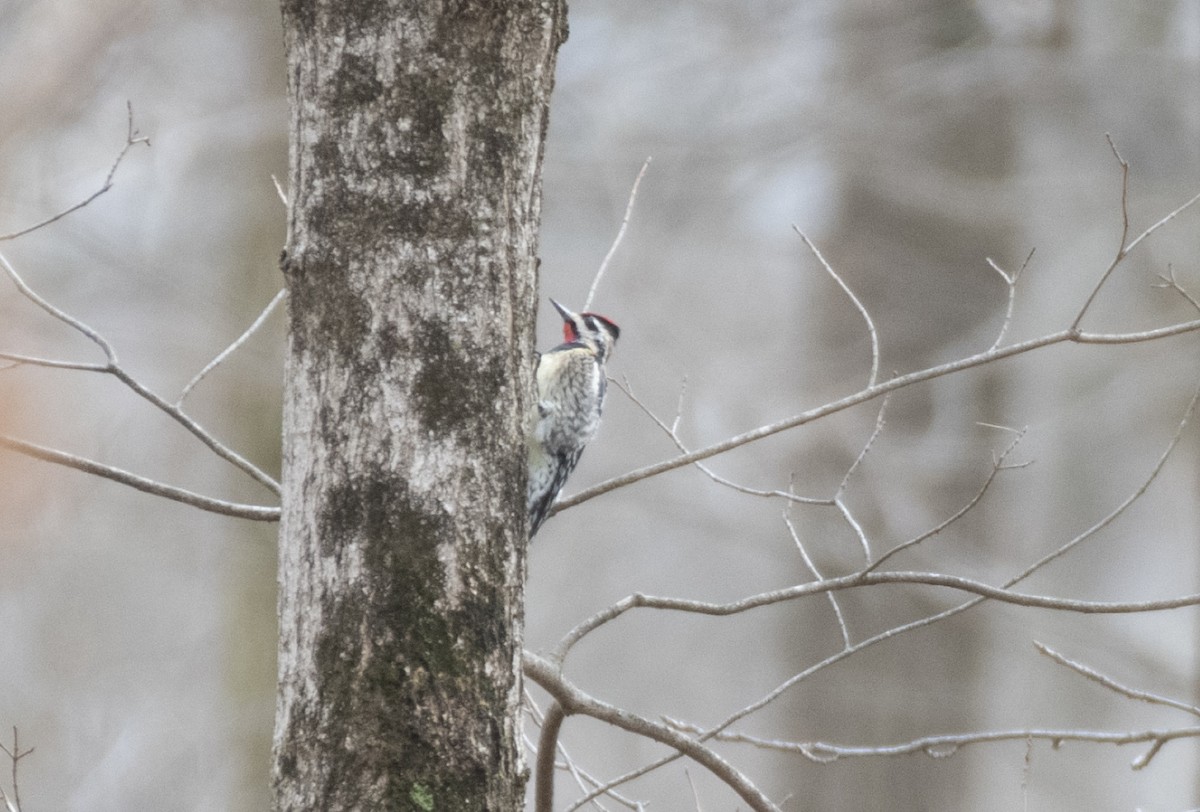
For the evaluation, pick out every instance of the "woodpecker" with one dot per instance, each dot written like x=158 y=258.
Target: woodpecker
x=570 y=394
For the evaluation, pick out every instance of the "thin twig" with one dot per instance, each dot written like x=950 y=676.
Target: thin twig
x=672 y=432
x=620 y=235
x=695 y=794
x=839 y=500
x=859 y=533
x=279 y=191
x=862 y=455
x=1026 y=769
x=1168 y=218
x=29 y=293
x=238 y=342
x=858 y=304
x=947 y=745
x=1121 y=508
x=1113 y=685
x=131 y=138
x=1010 y=281
x=51 y=363
x=260 y=513
x=1169 y=281
x=997 y=466
x=812 y=567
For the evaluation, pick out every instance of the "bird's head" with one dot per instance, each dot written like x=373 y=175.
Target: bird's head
x=590 y=329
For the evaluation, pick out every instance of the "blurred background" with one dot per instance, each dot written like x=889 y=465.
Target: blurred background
x=910 y=140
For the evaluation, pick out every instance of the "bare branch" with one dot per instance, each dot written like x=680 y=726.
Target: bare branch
x=1004 y=594
x=858 y=304
x=948 y=613
x=575 y=701
x=228 y=351
x=672 y=431
x=114 y=368
x=1113 y=685
x=887 y=635
x=1138 y=336
x=948 y=745
x=260 y=513
x=944 y=746
x=870 y=393
x=956 y=582
x=620 y=235
x=131 y=139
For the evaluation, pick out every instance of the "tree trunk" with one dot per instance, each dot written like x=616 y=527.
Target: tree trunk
x=416 y=142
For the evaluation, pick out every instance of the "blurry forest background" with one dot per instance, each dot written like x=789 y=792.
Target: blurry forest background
x=911 y=140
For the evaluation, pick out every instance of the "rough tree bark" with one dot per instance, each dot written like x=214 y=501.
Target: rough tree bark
x=416 y=144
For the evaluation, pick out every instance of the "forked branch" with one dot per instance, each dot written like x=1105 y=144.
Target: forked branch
x=634 y=601
x=575 y=701
x=13 y=803
x=113 y=367
x=132 y=139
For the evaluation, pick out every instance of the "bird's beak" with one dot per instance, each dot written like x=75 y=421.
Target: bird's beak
x=567 y=315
